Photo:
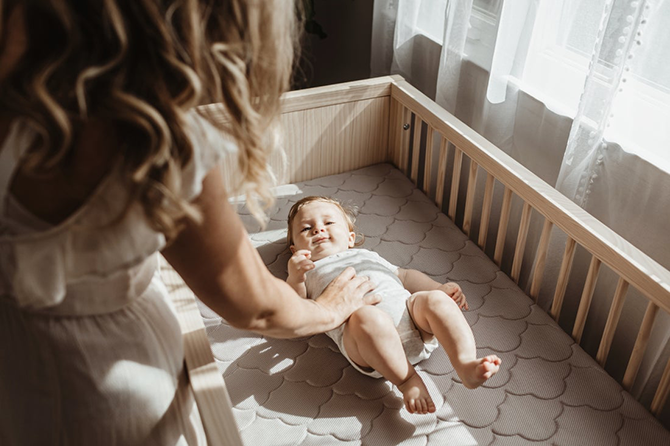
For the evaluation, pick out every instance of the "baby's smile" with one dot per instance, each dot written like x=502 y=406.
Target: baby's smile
x=321 y=228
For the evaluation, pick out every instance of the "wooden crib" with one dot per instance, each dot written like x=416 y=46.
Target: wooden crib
x=343 y=127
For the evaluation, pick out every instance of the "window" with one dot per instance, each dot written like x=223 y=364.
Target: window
x=481 y=38
x=430 y=19
x=564 y=38
x=482 y=27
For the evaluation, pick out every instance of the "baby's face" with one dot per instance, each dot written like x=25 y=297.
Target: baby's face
x=321 y=228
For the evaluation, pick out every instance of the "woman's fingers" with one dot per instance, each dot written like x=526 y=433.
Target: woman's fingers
x=363 y=283
x=346 y=275
x=357 y=286
x=352 y=289
x=372 y=299
x=348 y=279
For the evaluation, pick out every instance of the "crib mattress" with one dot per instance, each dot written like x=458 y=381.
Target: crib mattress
x=303 y=391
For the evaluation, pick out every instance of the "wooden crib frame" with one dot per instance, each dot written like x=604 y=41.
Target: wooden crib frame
x=338 y=128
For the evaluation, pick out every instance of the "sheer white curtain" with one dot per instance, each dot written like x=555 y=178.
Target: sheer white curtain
x=616 y=161
x=576 y=90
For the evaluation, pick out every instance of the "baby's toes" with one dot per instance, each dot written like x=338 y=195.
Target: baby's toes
x=490 y=368
x=493 y=359
x=425 y=406
x=410 y=405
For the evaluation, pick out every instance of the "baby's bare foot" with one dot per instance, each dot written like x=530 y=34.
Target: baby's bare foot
x=416 y=396
x=475 y=373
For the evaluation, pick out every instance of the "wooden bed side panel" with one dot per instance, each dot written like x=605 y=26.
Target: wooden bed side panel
x=334 y=139
x=324 y=131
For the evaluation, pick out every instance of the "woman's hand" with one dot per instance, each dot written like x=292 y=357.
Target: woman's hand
x=454 y=291
x=346 y=294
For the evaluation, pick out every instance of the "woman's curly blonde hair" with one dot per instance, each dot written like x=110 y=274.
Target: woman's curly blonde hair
x=142 y=65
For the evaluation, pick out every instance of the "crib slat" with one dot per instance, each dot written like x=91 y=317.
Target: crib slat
x=441 y=172
x=486 y=210
x=398 y=132
x=540 y=259
x=502 y=226
x=428 y=162
x=612 y=321
x=585 y=301
x=455 y=181
x=416 y=148
x=640 y=346
x=406 y=124
x=470 y=197
x=563 y=277
x=395 y=131
x=521 y=242
x=661 y=395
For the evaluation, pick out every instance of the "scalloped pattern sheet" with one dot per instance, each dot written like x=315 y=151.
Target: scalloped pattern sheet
x=303 y=392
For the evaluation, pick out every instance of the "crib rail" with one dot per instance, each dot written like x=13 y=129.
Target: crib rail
x=209 y=389
x=414 y=122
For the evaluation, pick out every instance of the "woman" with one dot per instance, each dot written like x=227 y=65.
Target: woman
x=103 y=163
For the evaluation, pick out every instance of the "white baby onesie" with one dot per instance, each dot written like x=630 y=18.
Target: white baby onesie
x=394 y=299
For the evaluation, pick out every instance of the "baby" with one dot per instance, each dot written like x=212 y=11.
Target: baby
x=404 y=328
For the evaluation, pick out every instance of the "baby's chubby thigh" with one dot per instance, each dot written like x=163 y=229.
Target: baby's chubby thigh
x=425 y=303
x=370 y=336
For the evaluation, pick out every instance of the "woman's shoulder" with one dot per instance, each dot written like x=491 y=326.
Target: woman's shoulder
x=211 y=146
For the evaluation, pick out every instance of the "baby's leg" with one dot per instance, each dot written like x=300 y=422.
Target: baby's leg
x=371 y=341
x=437 y=314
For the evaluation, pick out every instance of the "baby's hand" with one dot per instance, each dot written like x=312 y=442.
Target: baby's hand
x=298 y=265
x=454 y=291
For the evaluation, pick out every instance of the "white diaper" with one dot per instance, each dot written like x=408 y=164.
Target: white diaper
x=416 y=350
x=387 y=285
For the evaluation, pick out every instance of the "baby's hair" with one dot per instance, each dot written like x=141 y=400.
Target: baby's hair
x=349 y=213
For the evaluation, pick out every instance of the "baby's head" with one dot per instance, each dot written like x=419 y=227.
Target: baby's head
x=321 y=225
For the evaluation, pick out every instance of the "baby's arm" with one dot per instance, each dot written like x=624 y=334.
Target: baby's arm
x=298 y=265
x=415 y=281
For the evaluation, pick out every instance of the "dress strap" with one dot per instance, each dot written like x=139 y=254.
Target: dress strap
x=15 y=145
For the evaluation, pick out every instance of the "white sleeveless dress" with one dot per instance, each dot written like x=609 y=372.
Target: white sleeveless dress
x=90 y=348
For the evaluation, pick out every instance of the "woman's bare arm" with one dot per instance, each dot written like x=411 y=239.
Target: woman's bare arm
x=218 y=262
